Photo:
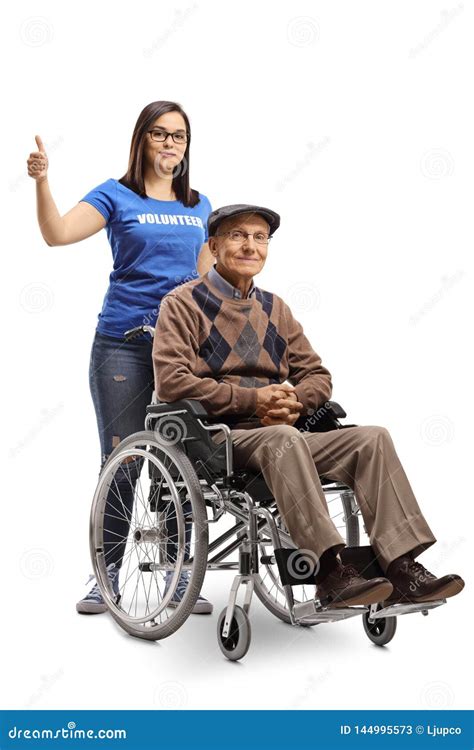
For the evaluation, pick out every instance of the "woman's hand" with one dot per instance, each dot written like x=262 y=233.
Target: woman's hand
x=83 y=220
x=38 y=162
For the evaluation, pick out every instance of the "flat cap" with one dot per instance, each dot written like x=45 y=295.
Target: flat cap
x=226 y=212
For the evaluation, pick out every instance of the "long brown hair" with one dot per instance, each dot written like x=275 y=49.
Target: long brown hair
x=133 y=178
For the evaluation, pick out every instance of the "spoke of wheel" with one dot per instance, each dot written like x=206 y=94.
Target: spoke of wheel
x=108 y=552
x=145 y=491
x=119 y=498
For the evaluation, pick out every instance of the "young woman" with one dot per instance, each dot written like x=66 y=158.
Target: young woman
x=157 y=228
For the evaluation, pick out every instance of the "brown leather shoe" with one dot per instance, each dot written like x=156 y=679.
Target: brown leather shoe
x=413 y=583
x=344 y=587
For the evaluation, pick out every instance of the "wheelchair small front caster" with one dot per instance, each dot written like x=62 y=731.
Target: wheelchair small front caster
x=380 y=631
x=237 y=643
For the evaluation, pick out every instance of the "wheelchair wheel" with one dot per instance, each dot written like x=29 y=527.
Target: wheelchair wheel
x=237 y=643
x=380 y=631
x=149 y=517
x=268 y=586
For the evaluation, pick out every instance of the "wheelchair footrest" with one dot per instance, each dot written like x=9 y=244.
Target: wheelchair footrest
x=310 y=611
x=304 y=609
x=393 y=610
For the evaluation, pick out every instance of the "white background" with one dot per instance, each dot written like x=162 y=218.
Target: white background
x=354 y=121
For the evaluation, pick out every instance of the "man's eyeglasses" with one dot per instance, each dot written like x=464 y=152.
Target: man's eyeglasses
x=180 y=136
x=237 y=235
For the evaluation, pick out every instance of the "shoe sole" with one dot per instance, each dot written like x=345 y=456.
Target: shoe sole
x=91 y=609
x=198 y=609
x=450 y=589
x=377 y=594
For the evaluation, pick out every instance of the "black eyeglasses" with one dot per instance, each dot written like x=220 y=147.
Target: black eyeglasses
x=238 y=235
x=180 y=136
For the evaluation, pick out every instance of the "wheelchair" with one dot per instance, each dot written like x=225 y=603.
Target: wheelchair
x=168 y=485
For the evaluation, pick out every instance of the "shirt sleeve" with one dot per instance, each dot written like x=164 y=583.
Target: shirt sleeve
x=312 y=381
x=175 y=353
x=208 y=210
x=103 y=198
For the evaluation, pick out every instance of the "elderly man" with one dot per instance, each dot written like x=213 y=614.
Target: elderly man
x=234 y=346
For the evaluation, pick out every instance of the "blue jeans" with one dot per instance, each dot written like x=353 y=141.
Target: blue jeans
x=121 y=380
x=121 y=383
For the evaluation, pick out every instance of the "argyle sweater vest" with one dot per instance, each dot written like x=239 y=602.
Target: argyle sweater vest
x=219 y=350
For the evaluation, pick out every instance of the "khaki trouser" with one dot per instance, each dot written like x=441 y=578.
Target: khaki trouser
x=364 y=458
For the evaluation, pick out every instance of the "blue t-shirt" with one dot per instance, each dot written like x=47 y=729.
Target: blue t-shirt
x=155 y=246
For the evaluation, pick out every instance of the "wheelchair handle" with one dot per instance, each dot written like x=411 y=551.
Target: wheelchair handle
x=135 y=333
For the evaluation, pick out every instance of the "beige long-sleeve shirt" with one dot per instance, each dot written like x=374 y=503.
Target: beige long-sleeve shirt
x=219 y=350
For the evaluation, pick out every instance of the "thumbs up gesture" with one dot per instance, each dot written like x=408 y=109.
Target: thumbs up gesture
x=38 y=162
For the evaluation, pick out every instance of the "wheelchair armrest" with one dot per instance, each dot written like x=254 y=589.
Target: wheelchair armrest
x=323 y=419
x=336 y=410
x=191 y=405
